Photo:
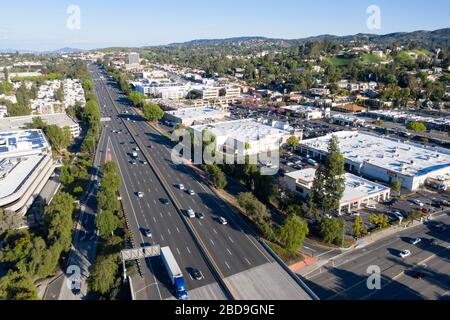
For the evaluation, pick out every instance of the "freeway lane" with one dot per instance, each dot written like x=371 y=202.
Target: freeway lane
x=348 y=278
x=237 y=255
x=148 y=212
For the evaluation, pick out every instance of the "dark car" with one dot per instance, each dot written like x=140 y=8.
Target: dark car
x=440 y=228
x=165 y=201
x=432 y=242
x=196 y=274
x=418 y=275
x=200 y=215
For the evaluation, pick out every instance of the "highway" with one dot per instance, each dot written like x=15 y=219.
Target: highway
x=149 y=213
x=345 y=278
x=231 y=252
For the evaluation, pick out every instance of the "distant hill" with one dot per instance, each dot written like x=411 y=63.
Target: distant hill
x=425 y=38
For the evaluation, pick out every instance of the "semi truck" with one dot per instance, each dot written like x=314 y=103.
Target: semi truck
x=174 y=272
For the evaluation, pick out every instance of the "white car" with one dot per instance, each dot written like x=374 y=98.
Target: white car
x=181 y=186
x=416 y=241
x=404 y=254
x=191 y=192
x=191 y=214
x=371 y=206
x=418 y=202
x=398 y=215
x=140 y=194
x=223 y=221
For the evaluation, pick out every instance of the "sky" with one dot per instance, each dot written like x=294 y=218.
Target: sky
x=54 y=24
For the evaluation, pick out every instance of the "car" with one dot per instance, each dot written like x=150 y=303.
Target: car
x=191 y=192
x=440 y=228
x=418 y=275
x=290 y=164
x=144 y=162
x=418 y=202
x=398 y=215
x=191 y=213
x=150 y=146
x=200 y=215
x=371 y=206
x=404 y=254
x=356 y=214
x=197 y=274
x=147 y=233
x=415 y=241
x=181 y=186
x=165 y=201
x=133 y=163
x=223 y=221
x=432 y=242
x=140 y=194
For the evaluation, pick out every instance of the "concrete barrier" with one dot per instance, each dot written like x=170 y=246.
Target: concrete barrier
x=289 y=271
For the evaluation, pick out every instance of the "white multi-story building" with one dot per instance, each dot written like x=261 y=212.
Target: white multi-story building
x=26 y=164
x=308 y=112
x=384 y=159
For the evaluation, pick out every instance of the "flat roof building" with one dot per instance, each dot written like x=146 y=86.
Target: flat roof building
x=383 y=159
x=248 y=136
x=26 y=165
x=60 y=119
x=193 y=116
x=358 y=191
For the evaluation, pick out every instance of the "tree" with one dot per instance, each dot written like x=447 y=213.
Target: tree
x=293 y=233
x=103 y=274
x=107 y=222
x=152 y=112
x=217 y=176
x=265 y=188
x=416 y=126
x=37 y=123
x=59 y=93
x=58 y=220
x=59 y=138
x=137 y=99
x=255 y=209
x=293 y=142
x=332 y=230
x=9 y=221
x=396 y=186
x=358 y=228
x=329 y=182
x=380 y=220
x=17 y=286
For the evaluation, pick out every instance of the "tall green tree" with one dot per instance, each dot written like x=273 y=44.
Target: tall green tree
x=104 y=274
x=359 y=229
x=152 y=112
x=329 y=183
x=107 y=222
x=332 y=230
x=293 y=233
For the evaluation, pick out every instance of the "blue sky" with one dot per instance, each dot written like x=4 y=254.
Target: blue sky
x=42 y=25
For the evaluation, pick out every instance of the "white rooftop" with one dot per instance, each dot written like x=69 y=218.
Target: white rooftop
x=26 y=141
x=15 y=123
x=401 y=157
x=355 y=187
x=196 y=113
x=242 y=130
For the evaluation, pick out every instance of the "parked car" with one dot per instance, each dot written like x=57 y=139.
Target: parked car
x=140 y=194
x=418 y=275
x=404 y=254
x=418 y=202
x=440 y=228
x=223 y=221
x=398 y=215
x=147 y=233
x=415 y=241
